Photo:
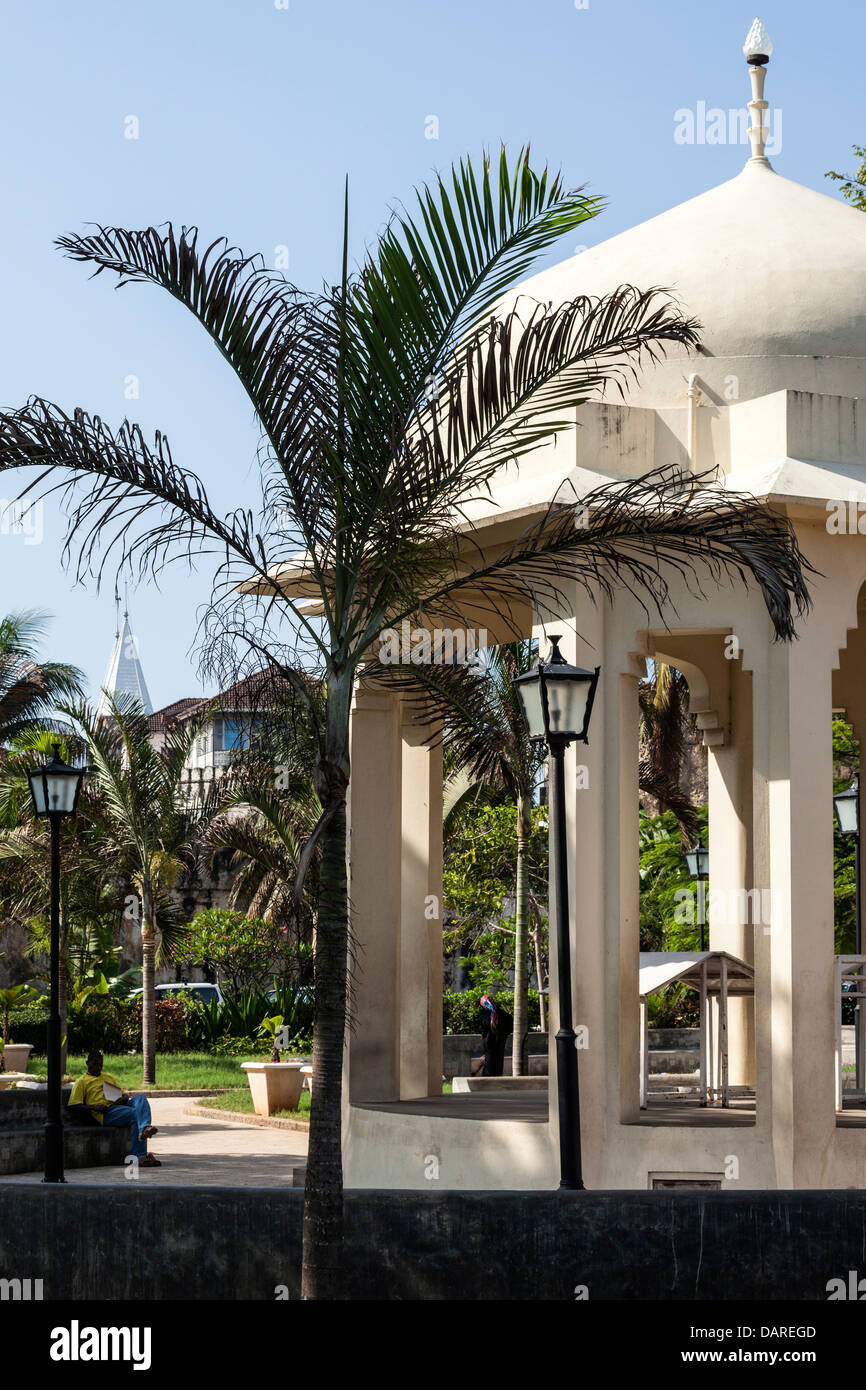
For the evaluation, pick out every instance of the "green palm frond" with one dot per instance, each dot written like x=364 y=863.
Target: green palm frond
x=434 y=277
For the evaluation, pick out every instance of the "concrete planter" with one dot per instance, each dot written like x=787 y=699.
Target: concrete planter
x=307 y=1073
x=16 y=1056
x=274 y=1085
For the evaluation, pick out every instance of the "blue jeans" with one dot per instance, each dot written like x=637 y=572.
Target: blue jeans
x=137 y=1115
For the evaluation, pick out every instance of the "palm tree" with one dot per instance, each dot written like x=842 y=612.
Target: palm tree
x=265 y=821
x=152 y=827
x=387 y=403
x=30 y=689
x=666 y=738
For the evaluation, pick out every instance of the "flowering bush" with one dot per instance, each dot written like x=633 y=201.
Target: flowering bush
x=244 y=952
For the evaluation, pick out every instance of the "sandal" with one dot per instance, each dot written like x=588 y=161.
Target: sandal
x=149 y=1162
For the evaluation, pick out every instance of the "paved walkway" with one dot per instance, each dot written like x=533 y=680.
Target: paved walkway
x=204 y=1153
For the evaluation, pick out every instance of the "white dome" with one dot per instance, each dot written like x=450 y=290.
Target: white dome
x=774 y=272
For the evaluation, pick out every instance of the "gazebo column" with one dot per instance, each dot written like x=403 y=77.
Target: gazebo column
x=420 y=971
x=375 y=887
x=729 y=784
x=794 y=860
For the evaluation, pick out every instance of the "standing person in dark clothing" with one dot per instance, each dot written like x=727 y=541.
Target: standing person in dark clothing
x=496 y=1026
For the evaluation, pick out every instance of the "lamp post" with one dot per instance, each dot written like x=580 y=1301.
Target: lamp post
x=54 y=787
x=557 y=702
x=847 y=806
x=698 y=861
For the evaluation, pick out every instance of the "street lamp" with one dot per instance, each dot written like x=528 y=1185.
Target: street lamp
x=557 y=702
x=54 y=787
x=698 y=861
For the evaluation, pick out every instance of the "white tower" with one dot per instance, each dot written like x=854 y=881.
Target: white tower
x=124 y=673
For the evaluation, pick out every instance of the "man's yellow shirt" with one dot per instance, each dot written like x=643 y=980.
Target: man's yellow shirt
x=88 y=1091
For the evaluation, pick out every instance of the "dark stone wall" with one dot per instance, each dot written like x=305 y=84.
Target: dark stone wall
x=459 y=1049
x=23 y=1150
x=130 y=1241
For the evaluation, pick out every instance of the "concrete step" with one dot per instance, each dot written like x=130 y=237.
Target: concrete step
x=535 y=1065
x=462 y=1084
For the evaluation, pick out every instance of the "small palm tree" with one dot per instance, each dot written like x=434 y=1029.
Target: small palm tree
x=30 y=689
x=265 y=822
x=387 y=404
x=153 y=828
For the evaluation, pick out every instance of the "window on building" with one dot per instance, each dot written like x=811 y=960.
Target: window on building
x=232 y=733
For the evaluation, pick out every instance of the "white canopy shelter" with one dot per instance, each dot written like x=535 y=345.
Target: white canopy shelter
x=715 y=975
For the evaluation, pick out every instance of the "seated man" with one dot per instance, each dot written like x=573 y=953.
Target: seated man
x=88 y=1094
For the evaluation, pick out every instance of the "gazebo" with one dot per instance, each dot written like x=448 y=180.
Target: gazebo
x=775 y=407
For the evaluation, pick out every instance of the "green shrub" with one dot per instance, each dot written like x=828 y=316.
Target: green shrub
x=241 y=1016
x=28 y=1025
x=674 y=1007
x=238 y=1047
x=114 y=1025
x=462 y=1013
x=171 y=1029
x=101 y=1022
x=300 y=1046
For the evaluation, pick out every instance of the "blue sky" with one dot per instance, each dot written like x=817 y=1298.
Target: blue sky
x=249 y=117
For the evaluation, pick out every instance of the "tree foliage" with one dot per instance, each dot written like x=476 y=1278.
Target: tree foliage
x=853 y=186
x=479 y=881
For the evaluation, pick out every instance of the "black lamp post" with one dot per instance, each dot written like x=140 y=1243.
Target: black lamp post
x=557 y=701
x=847 y=806
x=698 y=861
x=54 y=787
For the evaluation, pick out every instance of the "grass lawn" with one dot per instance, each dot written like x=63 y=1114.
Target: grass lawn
x=176 y=1071
x=242 y=1101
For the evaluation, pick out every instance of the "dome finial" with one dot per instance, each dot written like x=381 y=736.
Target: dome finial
x=758 y=48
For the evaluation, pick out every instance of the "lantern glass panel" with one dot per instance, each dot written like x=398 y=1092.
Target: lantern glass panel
x=62 y=788
x=566 y=702
x=37 y=791
x=847 y=808
x=530 y=697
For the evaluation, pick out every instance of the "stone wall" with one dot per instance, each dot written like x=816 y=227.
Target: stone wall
x=129 y=1241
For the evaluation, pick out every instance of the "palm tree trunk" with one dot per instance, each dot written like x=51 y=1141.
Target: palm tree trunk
x=148 y=998
x=321 y=1274
x=521 y=938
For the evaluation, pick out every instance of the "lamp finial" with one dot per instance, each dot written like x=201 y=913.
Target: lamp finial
x=758 y=49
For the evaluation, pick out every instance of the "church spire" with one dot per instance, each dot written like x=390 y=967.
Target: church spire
x=123 y=673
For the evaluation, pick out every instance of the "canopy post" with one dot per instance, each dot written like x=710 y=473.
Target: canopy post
x=704 y=1027
x=723 y=1031
x=838 y=972
x=644 y=1051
